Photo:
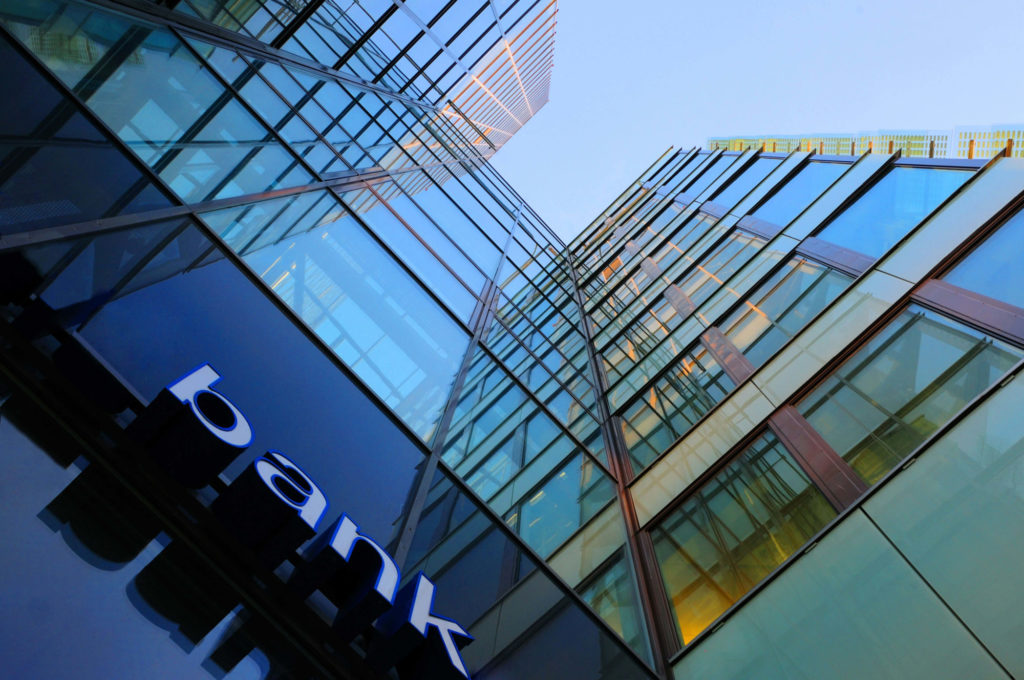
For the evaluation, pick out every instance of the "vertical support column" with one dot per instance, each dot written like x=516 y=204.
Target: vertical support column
x=653 y=600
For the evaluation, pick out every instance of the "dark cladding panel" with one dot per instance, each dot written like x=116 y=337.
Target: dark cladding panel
x=164 y=321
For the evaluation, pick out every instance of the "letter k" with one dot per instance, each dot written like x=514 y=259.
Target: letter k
x=422 y=619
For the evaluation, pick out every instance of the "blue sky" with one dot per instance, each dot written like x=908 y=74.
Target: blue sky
x=629 y=84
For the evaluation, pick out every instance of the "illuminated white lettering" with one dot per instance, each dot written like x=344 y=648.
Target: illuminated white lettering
x=292 y=486
x=344 y=540
x=200 y=382
x=422 y=619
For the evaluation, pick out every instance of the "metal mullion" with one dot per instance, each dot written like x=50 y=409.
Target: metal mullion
x=710 y=250
x=48 y=126
x=209 y=32
x=568 y=592
x=240 y=263
x=423 y=242
x=402 y=264
x=62 y=232
x=671 y=364
x=534 y=299
x=532 y=302
x=480 y=317
x=293 y=109
x=301 y=17
x=555 y=344
x=541 y=406
x=682 y=552
x=861 y=343
x=440 y=229
x=76 y=104
x=627 y=273
x=365 y=37
x=638 y=546
x=143 y=261
x=613 y=242
x=604 y=235
x=584 y=236
x=229 y=94
x=662 y=369
x=940 y=380
x=605 y=232
x=990 y=315
x=630 y=263
x=796 y=301
x=551 y=375
x=468 y=218
x=391 y=67
x=245 y=249
x=921 y=449
x=530 y=322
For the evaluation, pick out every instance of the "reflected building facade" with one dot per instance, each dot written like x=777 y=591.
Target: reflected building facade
x=609 y=459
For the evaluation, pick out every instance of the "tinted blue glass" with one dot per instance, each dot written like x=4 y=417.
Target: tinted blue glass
x=45 y=145
x=174 y=322
x=709 y=175
x=799 y=192
x=370 y=312
x=742 y=185
x=504 y=599
x=993 y=268
x=160 y=100
x=891 y=208
x=401 y=239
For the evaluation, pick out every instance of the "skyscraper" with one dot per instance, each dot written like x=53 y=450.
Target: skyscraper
x=810 y=362
x=294 y=384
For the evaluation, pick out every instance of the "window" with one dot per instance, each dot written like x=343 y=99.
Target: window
x=901 y=386
x=736 y=530
x=887 y=211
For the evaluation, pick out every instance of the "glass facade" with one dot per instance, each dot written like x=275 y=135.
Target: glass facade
x=294 y=384
x=770 y=371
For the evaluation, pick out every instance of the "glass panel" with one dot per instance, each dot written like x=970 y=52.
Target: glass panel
x=891 y=208
x=147 y=87
x=370 y=312
x=715 y=269
x=851 y=608
x=742 y=185
x=993 y=268
x=691 y=388
x=460 y=228
x=612 y=594
x=781 y=307
x=46 y=145
x=901 y=386
x=736 y=530
x=255 y=225
x=400 y=238
x=798 y=193
x=709 y=175
x=958 y=516
x=505 y=601
x=562 y=504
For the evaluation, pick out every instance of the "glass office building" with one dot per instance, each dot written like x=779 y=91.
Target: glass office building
x=294 y=384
